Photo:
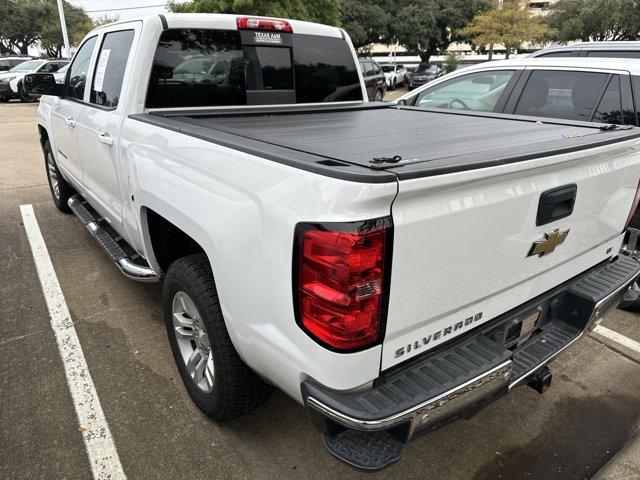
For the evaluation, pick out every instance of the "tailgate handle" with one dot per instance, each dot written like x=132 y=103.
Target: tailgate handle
x=556 y=204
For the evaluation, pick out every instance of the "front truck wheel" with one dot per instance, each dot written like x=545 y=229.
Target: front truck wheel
x=217 y=380
x=61 y=191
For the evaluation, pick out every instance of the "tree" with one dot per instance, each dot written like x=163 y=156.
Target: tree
x=78 y=24
x=510 y=25
x=321 y=11
x=366 y=22
x=23 y=23
x=427 y=27
x=451 y=62
x=597 y=20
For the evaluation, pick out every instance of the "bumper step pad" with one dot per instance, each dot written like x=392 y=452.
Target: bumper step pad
x=369 y=429
x=365 y=450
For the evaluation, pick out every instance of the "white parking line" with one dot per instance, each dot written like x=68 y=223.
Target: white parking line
x=98 y=441
x=619 y=339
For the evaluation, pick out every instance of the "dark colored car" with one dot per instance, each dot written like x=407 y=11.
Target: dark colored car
x=424 y=74
x=374 y=79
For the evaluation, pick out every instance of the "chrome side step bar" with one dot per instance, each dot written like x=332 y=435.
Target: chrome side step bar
x=130 y=269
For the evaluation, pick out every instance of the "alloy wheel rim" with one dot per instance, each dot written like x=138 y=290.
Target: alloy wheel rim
x=193 y=341
x=53 y=176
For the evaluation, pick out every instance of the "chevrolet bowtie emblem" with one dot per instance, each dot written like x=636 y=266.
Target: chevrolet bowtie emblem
x=549 y=243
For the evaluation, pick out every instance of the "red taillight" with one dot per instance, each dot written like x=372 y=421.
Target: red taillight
x=634 y=206
x=342 y=282
x=271 y=24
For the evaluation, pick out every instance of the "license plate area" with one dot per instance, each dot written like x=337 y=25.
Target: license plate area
x=520 y=328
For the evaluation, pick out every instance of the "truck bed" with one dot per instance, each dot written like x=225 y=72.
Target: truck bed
x=343 y=141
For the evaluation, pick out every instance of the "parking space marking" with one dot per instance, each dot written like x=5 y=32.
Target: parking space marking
x=101 y=450
x=618 y=338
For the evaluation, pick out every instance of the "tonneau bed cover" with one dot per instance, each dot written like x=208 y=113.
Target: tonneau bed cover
x=408 y=142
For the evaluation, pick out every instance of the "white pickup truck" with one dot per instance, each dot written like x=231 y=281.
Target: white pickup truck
x=391 y=280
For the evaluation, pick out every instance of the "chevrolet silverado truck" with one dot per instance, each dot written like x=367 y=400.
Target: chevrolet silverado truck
x=390 y=280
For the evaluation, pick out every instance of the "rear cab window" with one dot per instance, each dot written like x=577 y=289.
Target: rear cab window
x=207 y=67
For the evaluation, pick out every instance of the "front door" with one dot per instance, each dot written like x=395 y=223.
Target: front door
x=65 y=113
x=100 y=121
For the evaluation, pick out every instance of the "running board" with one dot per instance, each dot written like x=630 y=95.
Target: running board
x=130 y=269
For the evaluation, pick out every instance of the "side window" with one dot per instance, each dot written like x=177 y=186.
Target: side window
x=565 y=53
x=479 y=91
x=614 y=53
x=636 y=95
x=49 y=67
x=376 y=69
x=79 y=69
x=561 y=94
x=110 y=67
x=610 y=107
x=368 y=69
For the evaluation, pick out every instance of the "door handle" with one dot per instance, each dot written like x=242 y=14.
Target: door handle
x=70 y=122
x=106 y=139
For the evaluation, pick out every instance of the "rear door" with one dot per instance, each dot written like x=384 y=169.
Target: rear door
x=584 y=95
x=100 y=119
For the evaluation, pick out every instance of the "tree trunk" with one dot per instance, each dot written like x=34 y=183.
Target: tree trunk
x=24 y=49
x=490 y=51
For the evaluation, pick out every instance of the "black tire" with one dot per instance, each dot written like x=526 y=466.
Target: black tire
x=379 y=95
x=236 y=388
x=24 y=96
x=65 y=191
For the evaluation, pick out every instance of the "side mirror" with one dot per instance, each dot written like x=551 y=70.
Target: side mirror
x=42 y=84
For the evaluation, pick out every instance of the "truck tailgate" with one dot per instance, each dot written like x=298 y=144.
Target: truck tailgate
x=462 y=241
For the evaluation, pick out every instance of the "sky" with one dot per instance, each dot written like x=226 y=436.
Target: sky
x=121 y=8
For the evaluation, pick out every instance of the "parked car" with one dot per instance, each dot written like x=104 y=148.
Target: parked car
x=592 y=49
x=589 y=90
x=395 y=75
x=7 y=63
x=11 y=81
x=390 y=280
x=424 y=74
x=374 y=79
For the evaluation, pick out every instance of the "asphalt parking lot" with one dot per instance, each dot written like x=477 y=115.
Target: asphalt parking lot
x=591 y=412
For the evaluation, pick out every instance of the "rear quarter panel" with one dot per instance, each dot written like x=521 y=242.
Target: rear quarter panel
x=243 y=211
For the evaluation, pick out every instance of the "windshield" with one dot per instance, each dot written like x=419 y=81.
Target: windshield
x=388 y=68
x=27 y=66
x=427 y=70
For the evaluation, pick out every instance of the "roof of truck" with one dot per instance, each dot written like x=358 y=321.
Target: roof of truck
x=344 y=141
x=224 y=22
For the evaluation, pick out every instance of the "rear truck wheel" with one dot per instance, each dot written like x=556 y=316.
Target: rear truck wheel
x=217 y=380
x=378 y=96
x=24 y=96
x=61 y=191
